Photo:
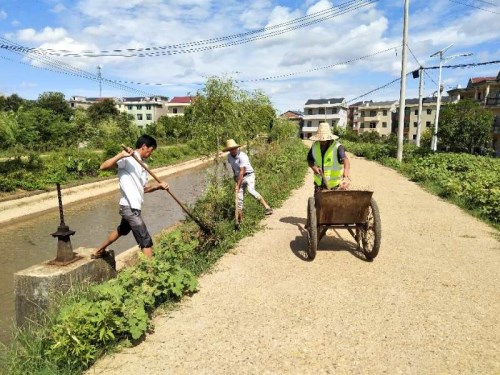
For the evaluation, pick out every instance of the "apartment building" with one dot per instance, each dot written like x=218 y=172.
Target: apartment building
x=486 y=91
x=144 y=110
x=373 y=117
x=332 y=111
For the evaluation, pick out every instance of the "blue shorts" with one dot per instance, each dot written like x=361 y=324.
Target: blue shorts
x=132 y=221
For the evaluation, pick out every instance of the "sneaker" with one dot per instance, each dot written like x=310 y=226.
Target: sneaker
x=269 y=211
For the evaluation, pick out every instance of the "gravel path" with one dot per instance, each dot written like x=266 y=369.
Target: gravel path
x=428 y=304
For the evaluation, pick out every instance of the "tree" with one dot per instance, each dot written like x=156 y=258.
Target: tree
x=7 y=126
x=11 y=103
x=465 y=127
x=55 y=102
x=102 y=110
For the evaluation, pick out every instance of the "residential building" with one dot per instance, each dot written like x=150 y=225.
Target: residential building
x=178 y=104
x=143 y=110
x=486 y=91
x=297 y=118
x=373 y=117
x=332 y=111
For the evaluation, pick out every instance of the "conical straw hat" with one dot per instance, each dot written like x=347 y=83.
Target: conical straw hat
x=324 y=133
x=230 y=144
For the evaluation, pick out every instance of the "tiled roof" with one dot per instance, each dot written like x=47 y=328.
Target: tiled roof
x=325 y=101
x=181 y=99
x=481 y=79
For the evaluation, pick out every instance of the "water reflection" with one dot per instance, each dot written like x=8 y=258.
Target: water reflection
x=29 y=242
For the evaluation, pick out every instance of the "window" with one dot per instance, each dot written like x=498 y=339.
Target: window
x=309 y=111
x=174 y=110
x=309 y=123
x=414 y=136
x=414 y=124
x=373 y=113
x=416 y=112
x=321 y=111
x=334 y=111
x=139 y=116
x=129 y=107
x=149 y=116
x=148 y=107
x=362 y=113
x=384 y=124
x=362 y=125
x=429 y=111
x=373 y=125
x=428 y=124
x=478 y=96
x=139 y=107
x=384 y=112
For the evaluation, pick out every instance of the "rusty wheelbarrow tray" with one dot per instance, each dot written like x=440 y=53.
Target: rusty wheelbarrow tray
x=354 y=210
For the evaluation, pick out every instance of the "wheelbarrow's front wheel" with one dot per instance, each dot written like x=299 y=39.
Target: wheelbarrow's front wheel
x=370 y=234
x=312 y=229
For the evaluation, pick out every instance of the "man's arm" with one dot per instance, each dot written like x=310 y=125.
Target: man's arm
x=310 y=161
x=159 y=186
x=111 y=162
x=239 y=180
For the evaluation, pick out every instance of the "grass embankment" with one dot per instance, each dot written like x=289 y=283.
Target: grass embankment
x=34 y=173
x=93 y=321
x=471 y=182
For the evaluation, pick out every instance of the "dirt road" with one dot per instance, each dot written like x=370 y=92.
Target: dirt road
x=428 y=304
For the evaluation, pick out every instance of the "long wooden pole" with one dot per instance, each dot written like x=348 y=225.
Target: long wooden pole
x=204 y=227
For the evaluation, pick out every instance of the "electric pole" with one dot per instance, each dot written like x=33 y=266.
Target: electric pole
x=420 y=98
x=438 y=104
x=402 y=92
x=99 y=77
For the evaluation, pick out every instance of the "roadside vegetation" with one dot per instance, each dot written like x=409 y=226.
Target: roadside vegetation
x=97 y=319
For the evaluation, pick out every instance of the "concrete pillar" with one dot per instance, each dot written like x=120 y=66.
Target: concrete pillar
x=36 y=288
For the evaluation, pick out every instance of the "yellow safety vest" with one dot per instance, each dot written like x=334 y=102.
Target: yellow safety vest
x=331 y=166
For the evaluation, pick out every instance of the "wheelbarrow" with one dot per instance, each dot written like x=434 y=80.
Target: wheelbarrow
x=354 y=210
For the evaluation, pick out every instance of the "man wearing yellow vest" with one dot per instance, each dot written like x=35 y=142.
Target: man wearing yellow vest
x=328 y=160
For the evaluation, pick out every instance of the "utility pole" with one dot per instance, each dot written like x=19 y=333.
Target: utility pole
x=440 y=88
x=402 y=92
x=420 y=98
x=99 y=77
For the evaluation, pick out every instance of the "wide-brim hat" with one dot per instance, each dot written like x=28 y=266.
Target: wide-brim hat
x=230 y=144
x=324 y=133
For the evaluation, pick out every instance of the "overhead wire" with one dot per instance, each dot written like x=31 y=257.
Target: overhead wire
x=431 y=67
x=473 y=6
x=160 y=51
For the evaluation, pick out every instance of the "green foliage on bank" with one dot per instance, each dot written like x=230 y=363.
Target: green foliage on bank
x=470 y=181
x=118 y=312
x=31 y=172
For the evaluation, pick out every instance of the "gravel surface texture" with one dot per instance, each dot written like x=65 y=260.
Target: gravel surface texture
x=428 y=304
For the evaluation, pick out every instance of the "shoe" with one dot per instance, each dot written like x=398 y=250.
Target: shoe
x=269 y=211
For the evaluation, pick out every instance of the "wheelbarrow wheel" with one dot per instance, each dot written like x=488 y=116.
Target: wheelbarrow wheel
x=370 y=234
x=312 y=229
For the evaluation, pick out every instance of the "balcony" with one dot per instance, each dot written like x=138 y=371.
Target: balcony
x=328 y=116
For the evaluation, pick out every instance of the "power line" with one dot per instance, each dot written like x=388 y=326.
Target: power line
x=431 y=67
x=172 y=50
x=418 y=62
x=473 y=6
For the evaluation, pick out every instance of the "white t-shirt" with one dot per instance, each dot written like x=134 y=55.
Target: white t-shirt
x=241 y=160
x=132 y=178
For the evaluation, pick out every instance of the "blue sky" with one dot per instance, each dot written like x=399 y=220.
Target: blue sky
x=293 y=65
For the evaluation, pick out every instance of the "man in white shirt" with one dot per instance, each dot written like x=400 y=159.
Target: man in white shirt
x=132 y=179
x=244 y=177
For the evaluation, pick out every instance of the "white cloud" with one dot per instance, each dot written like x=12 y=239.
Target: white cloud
x=48 y=34
x=3 y=15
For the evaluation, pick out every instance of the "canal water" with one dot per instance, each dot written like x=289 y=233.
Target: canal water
x=28 y=242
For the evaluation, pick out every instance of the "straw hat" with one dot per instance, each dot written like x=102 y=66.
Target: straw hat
x=324 y=133
x=230 y=144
